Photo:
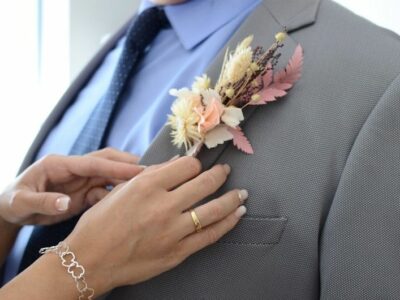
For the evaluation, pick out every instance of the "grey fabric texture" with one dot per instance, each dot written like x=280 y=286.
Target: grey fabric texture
x=323 y=215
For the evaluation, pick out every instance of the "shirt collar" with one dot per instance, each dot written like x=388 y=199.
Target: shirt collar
x=194 y=20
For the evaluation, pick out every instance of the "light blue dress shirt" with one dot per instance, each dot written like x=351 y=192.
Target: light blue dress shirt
x=199 y=29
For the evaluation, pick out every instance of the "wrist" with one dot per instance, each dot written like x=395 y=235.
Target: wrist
x=96 y=277
x=59 y=274
x=68 y=259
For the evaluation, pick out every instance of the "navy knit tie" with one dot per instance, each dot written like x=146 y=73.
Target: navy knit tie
x=140 y=34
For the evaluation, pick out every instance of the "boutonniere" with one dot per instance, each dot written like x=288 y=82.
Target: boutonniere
x=206 y=115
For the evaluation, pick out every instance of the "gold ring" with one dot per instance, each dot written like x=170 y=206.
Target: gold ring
x=196 y=221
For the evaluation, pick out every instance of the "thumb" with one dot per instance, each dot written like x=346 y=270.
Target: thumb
x=44 y=203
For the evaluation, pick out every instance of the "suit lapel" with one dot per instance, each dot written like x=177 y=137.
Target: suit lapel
x=269 y=18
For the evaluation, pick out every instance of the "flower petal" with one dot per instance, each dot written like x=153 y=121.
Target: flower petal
x=232 y=116
x=218 y=135
x=211 y=116
x=209 y=95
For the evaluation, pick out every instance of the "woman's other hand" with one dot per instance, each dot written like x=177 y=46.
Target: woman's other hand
x=56 y=187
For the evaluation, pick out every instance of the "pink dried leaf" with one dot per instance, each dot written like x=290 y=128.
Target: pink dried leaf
x=283 y=80
x=281 y=86
x=268 y=95
x=292 y=72
x=240 y=140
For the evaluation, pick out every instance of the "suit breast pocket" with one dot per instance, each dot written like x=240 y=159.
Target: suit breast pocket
x=258 y=231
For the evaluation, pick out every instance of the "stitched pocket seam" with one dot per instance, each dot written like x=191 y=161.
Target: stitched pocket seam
x=281 y=220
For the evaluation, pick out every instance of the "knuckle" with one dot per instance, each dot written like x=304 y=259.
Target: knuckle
x=193 y=164
x=48 y=159
x=216 y=211
x=92 y=164
x=14 y=199
x=42 y=203
x=165 y=240
x=160 y=217
x=170 y=204
x=208 y=180
x=107 y=151
x=143 y=184
x=110 y=150
x=211 y=236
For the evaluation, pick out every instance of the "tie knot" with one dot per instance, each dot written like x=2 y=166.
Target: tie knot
x=154 y=14
x=146 y=26
x=162 y=18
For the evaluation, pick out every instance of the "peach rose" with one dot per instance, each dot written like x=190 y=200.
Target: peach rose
x=210 y=116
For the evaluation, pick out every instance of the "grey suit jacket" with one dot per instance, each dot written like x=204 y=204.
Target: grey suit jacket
x=324 y=209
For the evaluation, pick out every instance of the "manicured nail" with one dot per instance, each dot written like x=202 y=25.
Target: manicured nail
x=243 y=195
x=175 y=157
x=227 y=168
x=240 y=211
x=62 y=203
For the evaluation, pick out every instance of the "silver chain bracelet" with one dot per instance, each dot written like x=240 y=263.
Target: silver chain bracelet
x=77 y=271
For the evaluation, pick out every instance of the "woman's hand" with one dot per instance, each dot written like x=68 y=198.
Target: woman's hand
x=58 y=187
x=144 y=228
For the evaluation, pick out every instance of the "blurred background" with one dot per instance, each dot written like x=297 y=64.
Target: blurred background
x=45 y=43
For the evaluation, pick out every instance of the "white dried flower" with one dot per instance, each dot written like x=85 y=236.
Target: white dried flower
x=245 y=43
x=184 y=118
x=201 y=83
x=238 y=65
x=209 y=95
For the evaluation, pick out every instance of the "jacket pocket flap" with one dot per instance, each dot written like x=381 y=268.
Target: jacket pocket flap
x=256 y=231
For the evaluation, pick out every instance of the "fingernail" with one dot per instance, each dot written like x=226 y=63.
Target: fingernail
x=240 y=211
x=143 y=166
x=62 y=203
x=227 y=168
x=243 y=195
x=175 y=157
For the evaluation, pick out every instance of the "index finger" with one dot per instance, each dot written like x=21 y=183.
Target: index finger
x=116 y=155
x=176 y=172
x=92 y=166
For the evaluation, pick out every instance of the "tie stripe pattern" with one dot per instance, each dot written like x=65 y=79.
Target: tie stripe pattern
x=139 y=36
